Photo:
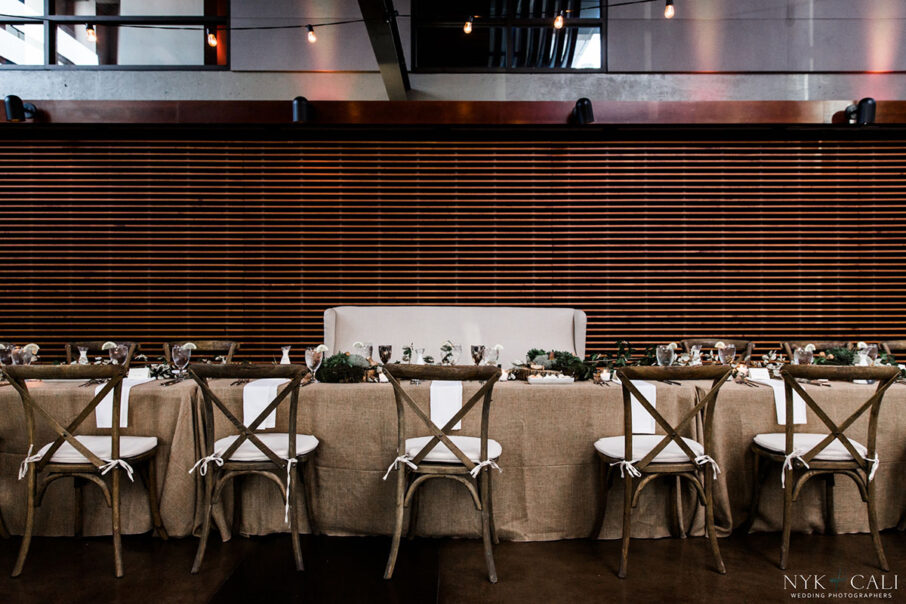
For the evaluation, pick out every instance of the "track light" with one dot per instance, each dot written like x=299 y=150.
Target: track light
x=17 y=111
x=91 y=33
x=302 y=110
x=312 y=38
x=583 y=112
x=669 y=10
x=468 y=26
x=862 y=113
x=558 y=20
x=212 y=37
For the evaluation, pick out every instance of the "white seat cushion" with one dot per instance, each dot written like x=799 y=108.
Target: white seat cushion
x=470 y=445
x=278 y=442
x=130 y=446
x=612 y=446
x=776 y=442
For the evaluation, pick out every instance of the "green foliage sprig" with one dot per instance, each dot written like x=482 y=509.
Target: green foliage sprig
x=835 y=356
x=565 y=362
x=343 y=368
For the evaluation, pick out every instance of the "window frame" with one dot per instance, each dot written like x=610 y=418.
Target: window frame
x=508 y=23
x=51 y=21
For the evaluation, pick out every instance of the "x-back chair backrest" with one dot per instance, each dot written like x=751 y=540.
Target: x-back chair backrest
x=885 y=377
x=894 y=346
x=297 y=376
x=18 y=374
x=225 y=347
x=489 y=375
x=94 y=347
x=790 y=346
x=718 y=374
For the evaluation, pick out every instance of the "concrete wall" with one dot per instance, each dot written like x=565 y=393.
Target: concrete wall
x=775 y=35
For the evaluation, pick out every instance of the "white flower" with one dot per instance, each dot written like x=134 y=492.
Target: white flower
x=720 y=346
x=321 y=348
x=810 y=348
x=498 y=347
x=861 y=345
x=358 y=345
x=672 y=346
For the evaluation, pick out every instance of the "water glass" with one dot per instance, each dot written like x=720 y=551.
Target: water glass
x=665 y=355
x=83 y=356
x=365 y=350
x=6 y=351
x=313 y=358
x=801 y=356
x=695 y=355
x=477 y=353
x=872 y=351
x=726 y=354
x=490 y=356
x=120 y=353
x=180 y=356
x=385 y=351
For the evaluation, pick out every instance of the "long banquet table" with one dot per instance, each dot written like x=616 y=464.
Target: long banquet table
x=549 y=488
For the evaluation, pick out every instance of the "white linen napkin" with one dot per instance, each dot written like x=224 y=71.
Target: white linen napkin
x=104 y=411
x=256 y=396
x=642 y=422
x=446 y=401
x=780 y=402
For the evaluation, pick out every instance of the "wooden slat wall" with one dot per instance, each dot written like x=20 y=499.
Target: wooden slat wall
x=253 y=238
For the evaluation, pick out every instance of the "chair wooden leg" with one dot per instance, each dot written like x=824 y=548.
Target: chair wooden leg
x=398 y=527
x=294 y=517
x=78 y=488
x=627 y=525
x=117 y=538
x=491 y=508
x=206 y=524
x=29 y=524
x=485 y=485
x=902 y=525
x=606 y=477
x=709 y=521
x=676 y=504
x=787 y=518
x=4 y=533
x=413 y=516
x=873 y=526
x=236 y=524
x=760 y=469
x=830 y=524
x=150 y=477
x=307 y=477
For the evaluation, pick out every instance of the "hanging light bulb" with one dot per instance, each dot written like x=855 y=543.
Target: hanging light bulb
x=212 y=38
x=468 y=26
x=312 y=38
x=91 y=33
x=558 y=20
x=669 y=10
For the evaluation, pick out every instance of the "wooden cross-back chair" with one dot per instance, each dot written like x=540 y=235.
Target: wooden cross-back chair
x=274 y=455
x=94 y=348
x=895 y=347
x=790 y=346
x=224 y=348
x=465 y=459
x=744 y=348
x=807 y=455
x=81 y=457
x=654 y=456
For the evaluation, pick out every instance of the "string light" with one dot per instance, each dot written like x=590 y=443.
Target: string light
x=312 y=38
x=212 y=38
x=558 y=20
x=91 y=33
x=468 y=26
x=669 y=10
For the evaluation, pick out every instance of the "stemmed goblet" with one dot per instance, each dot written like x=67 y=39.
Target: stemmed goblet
x=313 y=358
x=385 y=351
x=665 y=355
x=180 y=356
x=726 y=354
x=477 y=353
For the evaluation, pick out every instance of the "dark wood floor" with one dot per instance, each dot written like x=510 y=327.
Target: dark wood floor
x=443 y=570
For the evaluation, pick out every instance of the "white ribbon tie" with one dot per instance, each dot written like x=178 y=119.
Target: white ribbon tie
x=488 y=462
x=703 y=459
x=202 y=464
x=396 y=464
x=112 y=463
x=788 y=463
x=875 y=462
x=627 y=465
x=29 y=458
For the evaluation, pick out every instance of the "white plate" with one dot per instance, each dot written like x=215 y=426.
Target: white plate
x=565 y=379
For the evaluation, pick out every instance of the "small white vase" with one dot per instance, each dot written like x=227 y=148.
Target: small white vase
x=285 y=360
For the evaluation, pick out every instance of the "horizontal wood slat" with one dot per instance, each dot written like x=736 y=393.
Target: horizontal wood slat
x=252 y=237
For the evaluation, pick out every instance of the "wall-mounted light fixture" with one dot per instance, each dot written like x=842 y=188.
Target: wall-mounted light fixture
x=302 y=110
x=583 y=112
x=17 y=111
x=862 y=113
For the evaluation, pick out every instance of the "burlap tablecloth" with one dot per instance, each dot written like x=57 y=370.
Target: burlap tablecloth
x=548 y=489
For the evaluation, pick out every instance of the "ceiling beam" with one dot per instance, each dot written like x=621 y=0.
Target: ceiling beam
x=380 y=20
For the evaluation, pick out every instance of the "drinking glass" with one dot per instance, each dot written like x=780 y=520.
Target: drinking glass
x=15 y=354
x=665 y=355
x=365 y=350
x=872 y=351
x=419 y=354
x=385 y=351
x=83 y=356
x=180 y=356
x=284 y=360
x=455 y=354
x=6 y=350
x=477 y=353
x=726 y=354
x=490 y=356
x=801 y=356
x=119 y=353
x=695 y=355
x=313 y=358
